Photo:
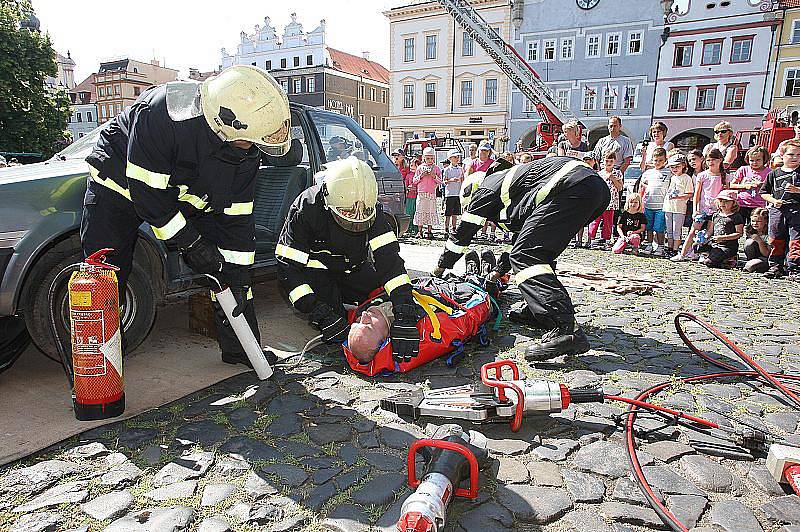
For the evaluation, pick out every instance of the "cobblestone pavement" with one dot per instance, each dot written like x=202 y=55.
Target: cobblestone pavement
x=311 y=449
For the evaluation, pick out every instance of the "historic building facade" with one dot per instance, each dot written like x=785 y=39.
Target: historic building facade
x=83 y=100
x=786 y=91
x=598 y=57
x=118 y=84
x=442 y=82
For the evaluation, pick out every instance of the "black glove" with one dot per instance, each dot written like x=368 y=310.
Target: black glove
x=203 y=257
x=334 y=327
x=238 y=279
x=404 y=334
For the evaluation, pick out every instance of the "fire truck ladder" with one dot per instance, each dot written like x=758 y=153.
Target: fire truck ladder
x=510 y=62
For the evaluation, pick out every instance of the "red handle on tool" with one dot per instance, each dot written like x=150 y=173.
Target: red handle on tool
x=502 y=385
x=413 y=481
x=98 y=258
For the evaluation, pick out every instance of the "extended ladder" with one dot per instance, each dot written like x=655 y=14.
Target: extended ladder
x=518 y=71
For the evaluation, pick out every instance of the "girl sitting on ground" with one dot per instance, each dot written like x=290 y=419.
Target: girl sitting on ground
x=631 y=225
x=756 y=248
x=725 y=229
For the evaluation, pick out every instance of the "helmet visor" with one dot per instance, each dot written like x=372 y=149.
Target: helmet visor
x=276 y=144
x=356 y=219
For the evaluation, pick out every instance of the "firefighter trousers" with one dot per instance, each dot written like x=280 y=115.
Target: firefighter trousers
x=338 y=288
x=110 y=221
x=545 y=234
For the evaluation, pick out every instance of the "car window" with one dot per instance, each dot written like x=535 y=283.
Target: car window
x=81 y=148
x=341 y=137
x=298 y=133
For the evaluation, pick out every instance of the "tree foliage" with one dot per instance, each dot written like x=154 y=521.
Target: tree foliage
x=33 y=118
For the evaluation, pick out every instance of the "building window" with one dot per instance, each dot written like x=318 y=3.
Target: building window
x=361 y=92
x=80 y=135
x=309 y=60
x=530 y=107
x=361 y=120
x=285 y=85
x=589 y=99
x=384 y=123
x=467 y=45
x=283 y=63
x=562 y=97
x=135 y=70
x=677 y=99
x=310 y=84
x=791 y=86
x=408 y=96
x=567 y=48
x=612 y=44
x=268 y=64
x=490 y=94
x=609 y=98
x=101 y=91
x=683 y=55
x=102 y=111
x=383 y=96
x=533 y=51
x=466 y=93
x=593 y=46
x=634 y=43
x=631 y=97
x=430 y=95
x=549 y=50
x=88 y=116
x=298 y=86
x=712 y=53
x=79 y=117
x=706 y=98
x=116 y=90
x=741 y=49
x=408 y=47
x=136 y=91
x=372 y=122
x=372 y=94
x=430 y=46
x=734 y=96
x=119 y=108
x=795 y=37
x=296 y=60
x=253 y=63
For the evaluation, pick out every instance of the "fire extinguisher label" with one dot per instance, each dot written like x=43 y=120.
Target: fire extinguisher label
x=88 y=335
x=80 y=299
x=112 y=350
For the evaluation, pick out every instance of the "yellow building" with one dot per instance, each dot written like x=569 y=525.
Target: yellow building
x=787 y=70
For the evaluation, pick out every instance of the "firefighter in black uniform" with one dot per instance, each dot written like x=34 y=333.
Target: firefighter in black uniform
x=184 y=158
x=323 y=255
x=544 y=203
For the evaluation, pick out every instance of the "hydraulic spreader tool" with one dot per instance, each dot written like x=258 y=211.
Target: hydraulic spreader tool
x=493 y=399
x=452 y=456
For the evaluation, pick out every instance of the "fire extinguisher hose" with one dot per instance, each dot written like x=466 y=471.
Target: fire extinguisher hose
x=64 y=352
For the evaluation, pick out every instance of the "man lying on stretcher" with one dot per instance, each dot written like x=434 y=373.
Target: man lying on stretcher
x=451 y=312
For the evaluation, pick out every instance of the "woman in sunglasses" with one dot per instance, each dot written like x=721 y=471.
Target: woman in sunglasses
x=726 y=144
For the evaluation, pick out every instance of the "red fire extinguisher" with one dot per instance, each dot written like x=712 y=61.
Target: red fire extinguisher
x=98 y=389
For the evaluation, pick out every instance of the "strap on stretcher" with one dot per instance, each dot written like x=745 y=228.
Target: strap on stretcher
x=427 y=302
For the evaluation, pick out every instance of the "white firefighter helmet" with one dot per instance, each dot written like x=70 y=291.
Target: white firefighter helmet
x=244 y=102
x=351 y=193
x=469 y=186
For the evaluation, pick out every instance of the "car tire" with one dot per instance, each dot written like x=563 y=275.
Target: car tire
x=137 y=316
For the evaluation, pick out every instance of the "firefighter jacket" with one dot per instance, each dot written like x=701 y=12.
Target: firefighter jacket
x=175 y=170
x=311 y=242
x=507 y=198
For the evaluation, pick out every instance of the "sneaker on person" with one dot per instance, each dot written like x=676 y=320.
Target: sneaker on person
x=558 y=342
x=488 y=262
x=678 y=257
x=776 y=271
x=473 y=263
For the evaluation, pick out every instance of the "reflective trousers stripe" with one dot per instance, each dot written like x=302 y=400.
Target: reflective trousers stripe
x=151 y=179
x=249 y=294
x=243 y=258
x=108 y=183
x=533 y=271
x=314 y=263
x=291 y=253
x=455 y=248
x=301 y=291
x=558 y=176
x=473 y=219
x=382 y=240
x=395 y=282
x=239 y=209
x=171 y=228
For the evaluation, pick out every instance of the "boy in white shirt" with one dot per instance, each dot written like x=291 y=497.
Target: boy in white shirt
x=653 y=189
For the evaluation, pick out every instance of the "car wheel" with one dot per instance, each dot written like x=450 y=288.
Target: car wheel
x=137 y=314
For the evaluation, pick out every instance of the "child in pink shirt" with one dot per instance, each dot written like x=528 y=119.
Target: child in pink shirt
x=427 y=178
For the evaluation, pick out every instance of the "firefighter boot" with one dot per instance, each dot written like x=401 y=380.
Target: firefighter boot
x=241 y=358
x=521 y=313
x=558 y=342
